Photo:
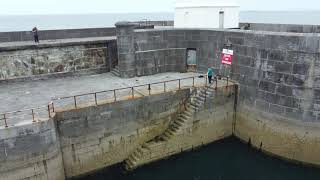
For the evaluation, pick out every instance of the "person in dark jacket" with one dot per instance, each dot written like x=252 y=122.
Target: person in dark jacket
x=35 y=34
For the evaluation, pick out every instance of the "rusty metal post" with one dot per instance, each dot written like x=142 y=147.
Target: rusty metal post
x=95 y=99
x=216 y=83
x=193 y=82
x=49 y=113
x=164 y=87
x=75 y=101
x=179 y=84
x=227 y=81
x=5 y=120
x=132 y=92
x=115 y=95
x=33 y=119
x=149 y=88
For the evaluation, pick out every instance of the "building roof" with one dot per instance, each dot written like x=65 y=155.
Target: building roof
x=205 y=3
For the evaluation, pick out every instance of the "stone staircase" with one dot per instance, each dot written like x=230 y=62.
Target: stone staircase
x=115 y=71
x=136 y=159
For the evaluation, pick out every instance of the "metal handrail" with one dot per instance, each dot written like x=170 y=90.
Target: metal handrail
x=132 y=88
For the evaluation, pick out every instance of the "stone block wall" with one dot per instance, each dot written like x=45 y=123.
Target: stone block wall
x=46 y=59
x=296 y=28
x=31 y=151
x=99 y=136
x=57 y=34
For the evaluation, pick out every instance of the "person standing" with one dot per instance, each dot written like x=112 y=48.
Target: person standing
x=210 y=75
x=35 y=34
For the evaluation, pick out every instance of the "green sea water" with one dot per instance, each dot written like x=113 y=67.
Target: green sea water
x=225 y=160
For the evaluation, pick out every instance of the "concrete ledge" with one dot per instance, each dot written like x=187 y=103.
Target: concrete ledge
x=23 y=45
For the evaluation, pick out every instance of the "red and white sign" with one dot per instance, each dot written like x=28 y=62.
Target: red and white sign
x=227 y=56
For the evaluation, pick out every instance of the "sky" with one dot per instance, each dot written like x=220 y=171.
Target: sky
x=128 y=6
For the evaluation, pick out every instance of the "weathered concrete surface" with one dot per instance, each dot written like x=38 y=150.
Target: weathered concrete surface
x=288 y=139
x=97 y=137
x=25 y=59
x=31 y=151
x=296 y=28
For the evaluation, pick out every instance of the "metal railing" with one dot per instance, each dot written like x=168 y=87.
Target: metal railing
x=126 y=93
x=35 y=114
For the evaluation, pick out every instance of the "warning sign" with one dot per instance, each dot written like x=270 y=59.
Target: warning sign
x=227 y=56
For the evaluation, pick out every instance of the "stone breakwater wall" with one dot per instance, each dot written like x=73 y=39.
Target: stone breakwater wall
x=57 y=58
x=57 y=34
x=296 y=28
x=80 y=141
x=278 y=73
x=31 y=151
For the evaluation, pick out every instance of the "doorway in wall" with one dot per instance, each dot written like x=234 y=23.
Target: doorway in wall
x=191 y=60
x=221 y=19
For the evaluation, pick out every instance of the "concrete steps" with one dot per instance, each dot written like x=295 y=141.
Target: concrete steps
x=140 y=156
x=116 y=71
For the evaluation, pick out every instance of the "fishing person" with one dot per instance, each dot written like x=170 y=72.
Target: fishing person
x=35 y=34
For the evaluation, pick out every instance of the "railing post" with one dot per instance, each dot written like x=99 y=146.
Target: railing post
x=52 y=107
x=95 y=99
x=49 y=113
x=5 y=120
x=75 y=101
x=179 y=84
x=164 y=87
x=32 y=111
x=193 y=82
x=216 y=83
x=114 y=95
x=149 y=88
x=227 y=81
x=132 y=92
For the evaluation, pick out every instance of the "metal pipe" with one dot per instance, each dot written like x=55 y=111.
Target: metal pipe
x=179 y=84
x=149 y=88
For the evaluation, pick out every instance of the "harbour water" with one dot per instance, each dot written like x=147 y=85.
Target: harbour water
x=44 y=22
x=225 y=160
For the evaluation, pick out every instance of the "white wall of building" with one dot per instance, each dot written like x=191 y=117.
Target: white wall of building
x=205 y=14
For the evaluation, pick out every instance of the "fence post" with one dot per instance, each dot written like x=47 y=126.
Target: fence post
x=114 y=95
x=179 y=84
x=227 y=81
x=95 y=99
x=5 y=120
x=193 y=82
x=75 y=101
x=164 y=87
x=149 y=88
x=132 y=92
x=49 y=113
x=32 y=111
x=216 y=83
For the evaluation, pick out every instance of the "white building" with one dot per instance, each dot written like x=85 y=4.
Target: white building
x=206 y=14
